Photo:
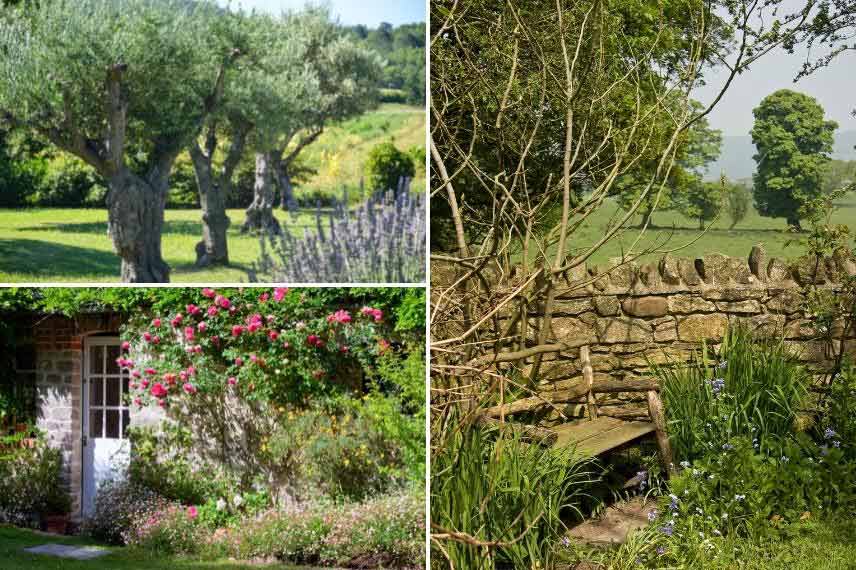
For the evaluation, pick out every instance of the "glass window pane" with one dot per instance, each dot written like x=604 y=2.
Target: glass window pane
x=113 y=391
x=96 y=359
x=96 y=420
x=112 y=424
x=96 y=392
x=112 y=354
x=126 y=420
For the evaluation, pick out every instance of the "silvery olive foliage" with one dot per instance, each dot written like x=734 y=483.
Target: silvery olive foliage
x=382 y=241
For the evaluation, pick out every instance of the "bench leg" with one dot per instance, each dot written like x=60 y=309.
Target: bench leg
x=655 y=410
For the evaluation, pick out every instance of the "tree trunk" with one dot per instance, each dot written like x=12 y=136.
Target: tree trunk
x=135 y=207
x=213 y=249
x=260 y=216
x=283 y=179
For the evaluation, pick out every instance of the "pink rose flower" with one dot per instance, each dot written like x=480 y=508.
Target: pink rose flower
x=201 y=327
x=192 y=513
x=151 y=371
x=191 y=371
x=136 y=374
x=189 y=333
x=237 y=330
x=273 y=335
x=264 y=297
x=126 y=345
x=312 y=340
x=162 y=403
x=158 y=390
x=138 y=402
x=156 y=323
x=183 y=375
x=286 y=344
x=147 y=336
x=239 y=361
x=144 y=383
x=222 y=302
x=232 y=380
x=212 y=311
x=192 y=309
x=189 y=388
x=210 y=293
x=253 y=358
x=156 y=339
x=279 y=293
x=341 y=317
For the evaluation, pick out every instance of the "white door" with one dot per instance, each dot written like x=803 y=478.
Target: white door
x=106 y=451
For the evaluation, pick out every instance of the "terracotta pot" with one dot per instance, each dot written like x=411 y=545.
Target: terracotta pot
x=20 y=428
x=57 y=524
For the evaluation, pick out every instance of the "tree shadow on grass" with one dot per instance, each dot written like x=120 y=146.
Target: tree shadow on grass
x=26 y=256
x=185 y=227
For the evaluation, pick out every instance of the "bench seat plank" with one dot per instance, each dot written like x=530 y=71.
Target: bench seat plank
x=598 y=436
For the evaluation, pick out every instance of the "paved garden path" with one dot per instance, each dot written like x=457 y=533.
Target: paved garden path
x=613 y=526
x=69 y=551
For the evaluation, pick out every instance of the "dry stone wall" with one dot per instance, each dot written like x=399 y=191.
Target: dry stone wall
x=660 y=312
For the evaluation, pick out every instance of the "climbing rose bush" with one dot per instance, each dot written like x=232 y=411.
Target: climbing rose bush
x=258 y=344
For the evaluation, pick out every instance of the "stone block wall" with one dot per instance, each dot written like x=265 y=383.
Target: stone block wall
x=58 y=343
x=661 y=312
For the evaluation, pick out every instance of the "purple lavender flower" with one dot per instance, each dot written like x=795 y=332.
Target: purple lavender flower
x=383 y=241
x=652 y=515
x=829 y=433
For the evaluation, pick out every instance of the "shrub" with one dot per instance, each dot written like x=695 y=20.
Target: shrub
x=28 y=477
x=381 y=241
x=386 y=166
x=161 y=463
x=385 y=532
x=753 y=387
x=168 y=531
x=66 y=182
x=118 y=505
x=502 y=489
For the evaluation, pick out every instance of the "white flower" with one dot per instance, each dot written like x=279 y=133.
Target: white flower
x=237 y=500
x=221 y=504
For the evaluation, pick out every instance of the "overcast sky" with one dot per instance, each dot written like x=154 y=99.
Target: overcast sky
x=350 y=12
x=834 y=87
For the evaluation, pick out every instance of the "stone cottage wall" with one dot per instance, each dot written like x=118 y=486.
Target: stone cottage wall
x=661 y=312
x=58 y=343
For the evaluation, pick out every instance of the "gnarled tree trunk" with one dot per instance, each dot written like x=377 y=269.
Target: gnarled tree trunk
x=135 y=206
x=283 y=180
x=260 y=216
x=213 y=188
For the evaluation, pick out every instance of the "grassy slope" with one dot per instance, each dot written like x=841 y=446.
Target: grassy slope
x=72 y=245
x=737 y=242
x=13 y=541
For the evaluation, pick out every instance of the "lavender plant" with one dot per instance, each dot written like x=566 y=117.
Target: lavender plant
x=381 y=241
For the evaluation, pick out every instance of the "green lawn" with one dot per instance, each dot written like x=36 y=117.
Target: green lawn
x=72 y=245
x=14 y=540
x=674 y=230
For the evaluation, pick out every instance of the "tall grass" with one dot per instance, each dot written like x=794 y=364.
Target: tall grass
x=498 y=489
x=753 y=387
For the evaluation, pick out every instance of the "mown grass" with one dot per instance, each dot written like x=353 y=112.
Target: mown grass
x=13 y=557
x=47 y=245
x=672 y=230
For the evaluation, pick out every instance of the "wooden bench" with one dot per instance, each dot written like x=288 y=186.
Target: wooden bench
x=598 y=433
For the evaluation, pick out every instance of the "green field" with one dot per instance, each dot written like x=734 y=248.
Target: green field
x=12 y=557
x=672 y=230
x=54 y=245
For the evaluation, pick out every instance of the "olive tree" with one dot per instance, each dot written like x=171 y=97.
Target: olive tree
x=263 y=91
x=124 y=85
x=344 y=77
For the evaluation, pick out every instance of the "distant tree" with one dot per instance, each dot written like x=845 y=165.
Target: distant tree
x=685 y=191
x=703 y=201
x=737 y=203
x=838 y=174
x=793 y=142
x=124 y=85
